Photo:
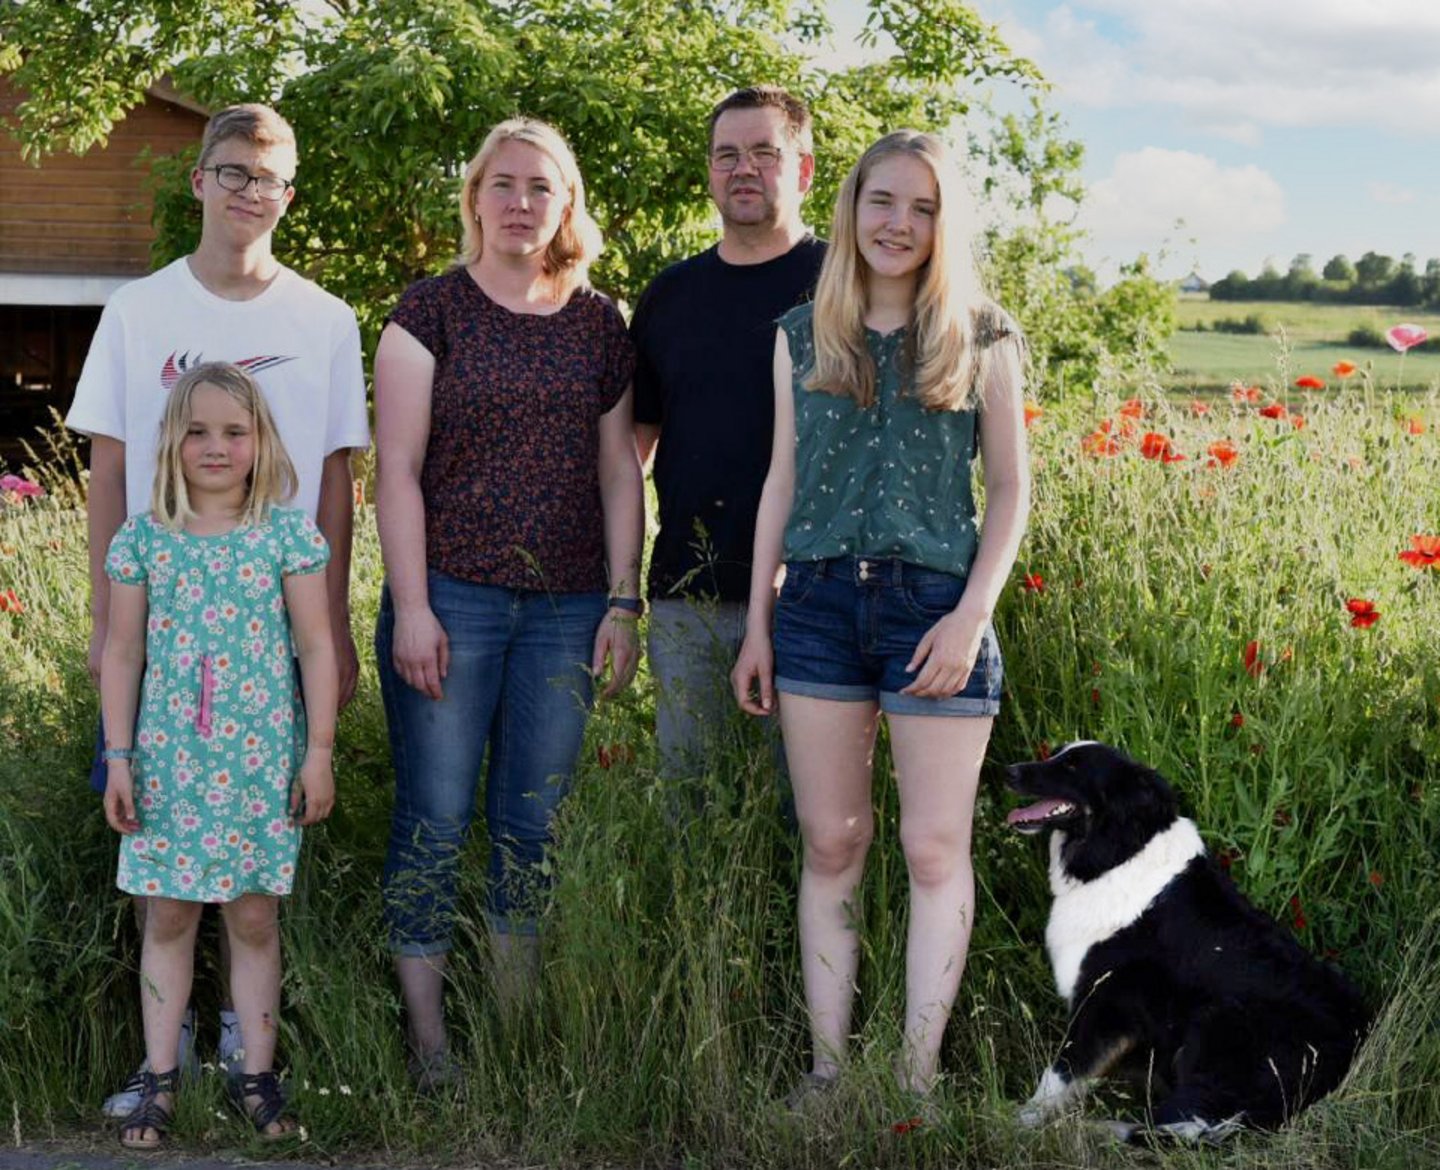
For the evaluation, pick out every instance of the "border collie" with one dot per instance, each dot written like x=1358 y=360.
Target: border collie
x=1166 y=967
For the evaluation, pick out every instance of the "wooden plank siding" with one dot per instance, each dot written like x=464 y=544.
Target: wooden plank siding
x=87 y=214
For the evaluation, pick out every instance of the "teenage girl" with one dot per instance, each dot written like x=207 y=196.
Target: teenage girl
x=216 y=591
x=884 y=387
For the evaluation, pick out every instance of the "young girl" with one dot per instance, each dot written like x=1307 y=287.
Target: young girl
x=880 y=388
x=215 y=592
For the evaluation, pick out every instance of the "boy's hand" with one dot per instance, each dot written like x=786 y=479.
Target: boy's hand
x=314 y=788
x=120 y=798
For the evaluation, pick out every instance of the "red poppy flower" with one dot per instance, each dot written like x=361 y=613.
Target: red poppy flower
x=1377 y=879
x=1155 y=445
x=1132 y=408
x=1104 y=426
x=910 y=1125
x=1243 y=393
x=1297 y=914
x=1042 y=750
x=1404 y=337
x=1297 y=421
x=1237 y=721
x=1415 y=425
x=1198 y=408
x=1310 y=382
x=1363 y=613
x=1222 y=453
x=1100 y=445
x=9 y=603
x=1095 y=696
x=1344 y=369
x=1032 y=412
x=1274 y=410
x=1227 y=857
x=1254 y=664
x=1423 y=553
x=1033 y=583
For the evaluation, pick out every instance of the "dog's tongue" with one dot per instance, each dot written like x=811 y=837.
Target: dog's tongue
x=1033 y=812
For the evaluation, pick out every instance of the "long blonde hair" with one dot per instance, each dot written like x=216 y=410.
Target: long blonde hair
x=577 y=241
x=272 y=480
x=941 y=353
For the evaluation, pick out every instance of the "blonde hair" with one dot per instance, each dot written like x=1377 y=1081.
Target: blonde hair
x=251 y=122
x=272 y=480
x=577 y=241
x=944 y=362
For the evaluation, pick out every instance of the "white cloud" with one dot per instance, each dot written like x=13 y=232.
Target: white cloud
x=1136 y=207
x=1244 y=63
x=1390 y=194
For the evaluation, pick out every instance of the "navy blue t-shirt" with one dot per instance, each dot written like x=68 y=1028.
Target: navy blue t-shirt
x=704 y=332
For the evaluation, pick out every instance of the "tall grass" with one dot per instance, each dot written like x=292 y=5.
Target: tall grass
x=667 y=1022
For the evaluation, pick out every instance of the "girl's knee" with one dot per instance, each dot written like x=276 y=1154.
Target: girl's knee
x=252 y=920
x=836 y=847
x=934 y=857
x=168 y=919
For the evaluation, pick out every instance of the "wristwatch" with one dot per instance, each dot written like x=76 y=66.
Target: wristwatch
x=635 y=605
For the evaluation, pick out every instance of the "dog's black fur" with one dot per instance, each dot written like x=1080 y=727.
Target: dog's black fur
x=1169 y=966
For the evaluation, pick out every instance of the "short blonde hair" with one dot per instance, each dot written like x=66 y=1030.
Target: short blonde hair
x=577 y=241
x=272 y=479
x=251 y=122
x=943 y=358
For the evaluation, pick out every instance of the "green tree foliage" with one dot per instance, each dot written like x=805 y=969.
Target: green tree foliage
x=1338 y=267
x=389 y=98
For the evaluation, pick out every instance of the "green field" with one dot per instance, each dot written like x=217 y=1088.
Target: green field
x=1193 y=612
x=1300 y=338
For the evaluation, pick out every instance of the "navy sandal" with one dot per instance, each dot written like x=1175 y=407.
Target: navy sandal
x=269 y=1110
x=149 y=1114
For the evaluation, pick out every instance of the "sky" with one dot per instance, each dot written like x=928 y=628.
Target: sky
x=1226 y=134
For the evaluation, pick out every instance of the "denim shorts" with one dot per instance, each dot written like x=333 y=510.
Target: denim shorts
x=846 y=628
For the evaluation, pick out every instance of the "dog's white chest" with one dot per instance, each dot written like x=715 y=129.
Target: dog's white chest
x=1086 y=913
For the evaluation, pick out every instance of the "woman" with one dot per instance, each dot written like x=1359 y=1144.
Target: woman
x=880 y=387
x=510 y=510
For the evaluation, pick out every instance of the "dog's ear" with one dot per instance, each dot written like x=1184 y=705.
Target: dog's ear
x=1157 y=798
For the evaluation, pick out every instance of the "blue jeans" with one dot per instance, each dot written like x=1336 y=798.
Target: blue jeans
x=518 y=684
x=846 y=628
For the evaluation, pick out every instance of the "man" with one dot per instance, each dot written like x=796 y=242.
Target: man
x=229 y=300
x=704 y=391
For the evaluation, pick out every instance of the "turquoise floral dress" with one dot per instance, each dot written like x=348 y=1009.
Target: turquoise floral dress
x=221 y=730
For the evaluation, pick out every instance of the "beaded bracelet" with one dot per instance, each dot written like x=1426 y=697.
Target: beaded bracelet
x=117 y=754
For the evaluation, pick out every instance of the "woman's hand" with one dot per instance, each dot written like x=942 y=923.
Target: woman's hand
x=314 y=788
x=421 y=651
x=946 y=655
x=753 y=676
x=120 y=798
x=617 y=640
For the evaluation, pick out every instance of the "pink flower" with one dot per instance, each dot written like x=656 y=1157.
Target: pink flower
x=22 y=488
x=1403 y=337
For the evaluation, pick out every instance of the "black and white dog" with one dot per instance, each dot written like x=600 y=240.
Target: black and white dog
x=1166 y=967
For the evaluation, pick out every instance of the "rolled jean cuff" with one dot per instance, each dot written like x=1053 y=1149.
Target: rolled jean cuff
x=419 y=950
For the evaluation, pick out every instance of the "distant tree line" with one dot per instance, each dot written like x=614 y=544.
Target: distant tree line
x=1374 y=279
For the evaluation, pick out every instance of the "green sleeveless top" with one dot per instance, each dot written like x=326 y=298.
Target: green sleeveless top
x=893 y=480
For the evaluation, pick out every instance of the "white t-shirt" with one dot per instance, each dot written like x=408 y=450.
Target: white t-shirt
x=298 y=342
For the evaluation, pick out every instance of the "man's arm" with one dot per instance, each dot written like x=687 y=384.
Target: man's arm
x=335 y=517
x=104 y=513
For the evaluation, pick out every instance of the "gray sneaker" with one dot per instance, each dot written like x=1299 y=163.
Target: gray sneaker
x=127 y=1099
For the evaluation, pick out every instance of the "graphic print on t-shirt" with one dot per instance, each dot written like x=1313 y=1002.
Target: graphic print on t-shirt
x=174 y=366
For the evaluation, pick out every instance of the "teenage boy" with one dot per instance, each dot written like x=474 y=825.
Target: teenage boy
x=704 y=390
x=229 y=300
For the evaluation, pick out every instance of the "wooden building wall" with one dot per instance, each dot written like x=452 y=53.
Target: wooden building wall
x=87 y=214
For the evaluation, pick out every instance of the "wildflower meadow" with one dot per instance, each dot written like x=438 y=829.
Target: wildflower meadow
x=1241 y=589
